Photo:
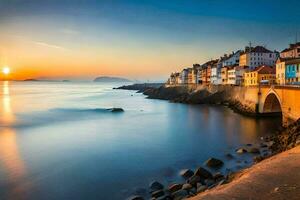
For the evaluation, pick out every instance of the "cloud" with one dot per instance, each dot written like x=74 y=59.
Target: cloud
x=49 y=45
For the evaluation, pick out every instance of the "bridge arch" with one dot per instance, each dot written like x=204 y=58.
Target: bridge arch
x=272 y=103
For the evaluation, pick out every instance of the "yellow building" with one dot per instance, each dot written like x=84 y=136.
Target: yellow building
x=260 y=76
x=280 y=71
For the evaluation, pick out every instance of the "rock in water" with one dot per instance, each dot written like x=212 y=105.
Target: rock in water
x=186 y=173
x=180 y=194
x=194 y=180
x=187 y=186
x=155 y=185
x=175 y=187
x=203 y=173
x=214 y=163
x=241 y=150
x=157 y=193
x=201 y=188
x=116 y=110
x=254 y=150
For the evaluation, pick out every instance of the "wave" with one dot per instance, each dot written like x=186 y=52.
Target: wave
x=58 y=115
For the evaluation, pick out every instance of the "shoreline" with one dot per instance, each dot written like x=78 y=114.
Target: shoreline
x=285 y=139
x=269 y=179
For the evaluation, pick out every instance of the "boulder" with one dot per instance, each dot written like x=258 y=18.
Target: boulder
x=201 y=188
x=155 y=185
x=157 y=193
x=135 y=198
x=218 y=176
x=254 y=150
x=186 y=173
x=116 y=110
x=203 y=173
x=214 y=163
x=241 y=150
x=209 y=182
x=187 y=186
x=174 y=187
x=180 y=194
x=194 y=180
x=257 y=159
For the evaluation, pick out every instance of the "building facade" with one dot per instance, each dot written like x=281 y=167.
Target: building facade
x=257 y=56
x=292 y=71
x=280 y=71
x=261 y=75
x=292 y=52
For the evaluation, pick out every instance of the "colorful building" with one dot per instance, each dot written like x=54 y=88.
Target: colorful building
x=260 y=75
x=292 y=71
x=236 y=75
x=257 y=56
x=280 y=71
x=292 y=52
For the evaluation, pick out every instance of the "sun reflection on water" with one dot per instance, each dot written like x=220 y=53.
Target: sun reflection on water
x=10 y=157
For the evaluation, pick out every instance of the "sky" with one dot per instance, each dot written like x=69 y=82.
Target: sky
x=137 y=39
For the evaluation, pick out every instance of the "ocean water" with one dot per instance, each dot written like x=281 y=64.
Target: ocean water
x=59 y=141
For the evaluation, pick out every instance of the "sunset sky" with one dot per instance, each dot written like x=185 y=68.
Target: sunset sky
x=137 y=39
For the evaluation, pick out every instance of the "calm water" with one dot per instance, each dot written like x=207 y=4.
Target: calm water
x=57 y=141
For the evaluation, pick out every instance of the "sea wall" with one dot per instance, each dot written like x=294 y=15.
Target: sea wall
x=241 y=99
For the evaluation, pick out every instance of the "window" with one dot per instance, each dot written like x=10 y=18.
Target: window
x=270 y=55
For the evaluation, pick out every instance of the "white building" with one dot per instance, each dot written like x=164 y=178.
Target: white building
x=184 y=76
x=232 y=59
x=257 y=56
x=236 y=75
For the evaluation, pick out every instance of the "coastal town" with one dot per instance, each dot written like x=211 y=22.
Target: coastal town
x=252 y=66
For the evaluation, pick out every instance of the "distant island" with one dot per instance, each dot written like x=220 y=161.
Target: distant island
x=111 y=79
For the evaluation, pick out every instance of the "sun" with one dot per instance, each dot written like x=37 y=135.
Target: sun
x=6 y=70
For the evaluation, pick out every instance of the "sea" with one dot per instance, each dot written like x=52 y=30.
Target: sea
x=59 y=140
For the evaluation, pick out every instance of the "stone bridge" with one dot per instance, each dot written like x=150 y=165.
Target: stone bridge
x=275 y=99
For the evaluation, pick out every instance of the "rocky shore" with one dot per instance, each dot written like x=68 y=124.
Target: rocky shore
x=203 y=179
x=199 y=180
x=140 y=87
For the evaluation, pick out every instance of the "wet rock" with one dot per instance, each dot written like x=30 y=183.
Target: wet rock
x=218 y=176
x=116 y=110
x=222 y=182
x=249 y=145
x=257 y=159
x=135 y=197
x=214 y=163
x=180 y=194
x=186 y=173
x=241 y=150
x=157 y=193
x=194 y=180
x=201 y=188
x=174 y=187
x=254 y=150
x=209 y=182
x=203 y=173
x=155 y=185
x=187 y=186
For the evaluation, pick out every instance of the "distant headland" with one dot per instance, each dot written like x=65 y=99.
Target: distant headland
x=111 y=79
